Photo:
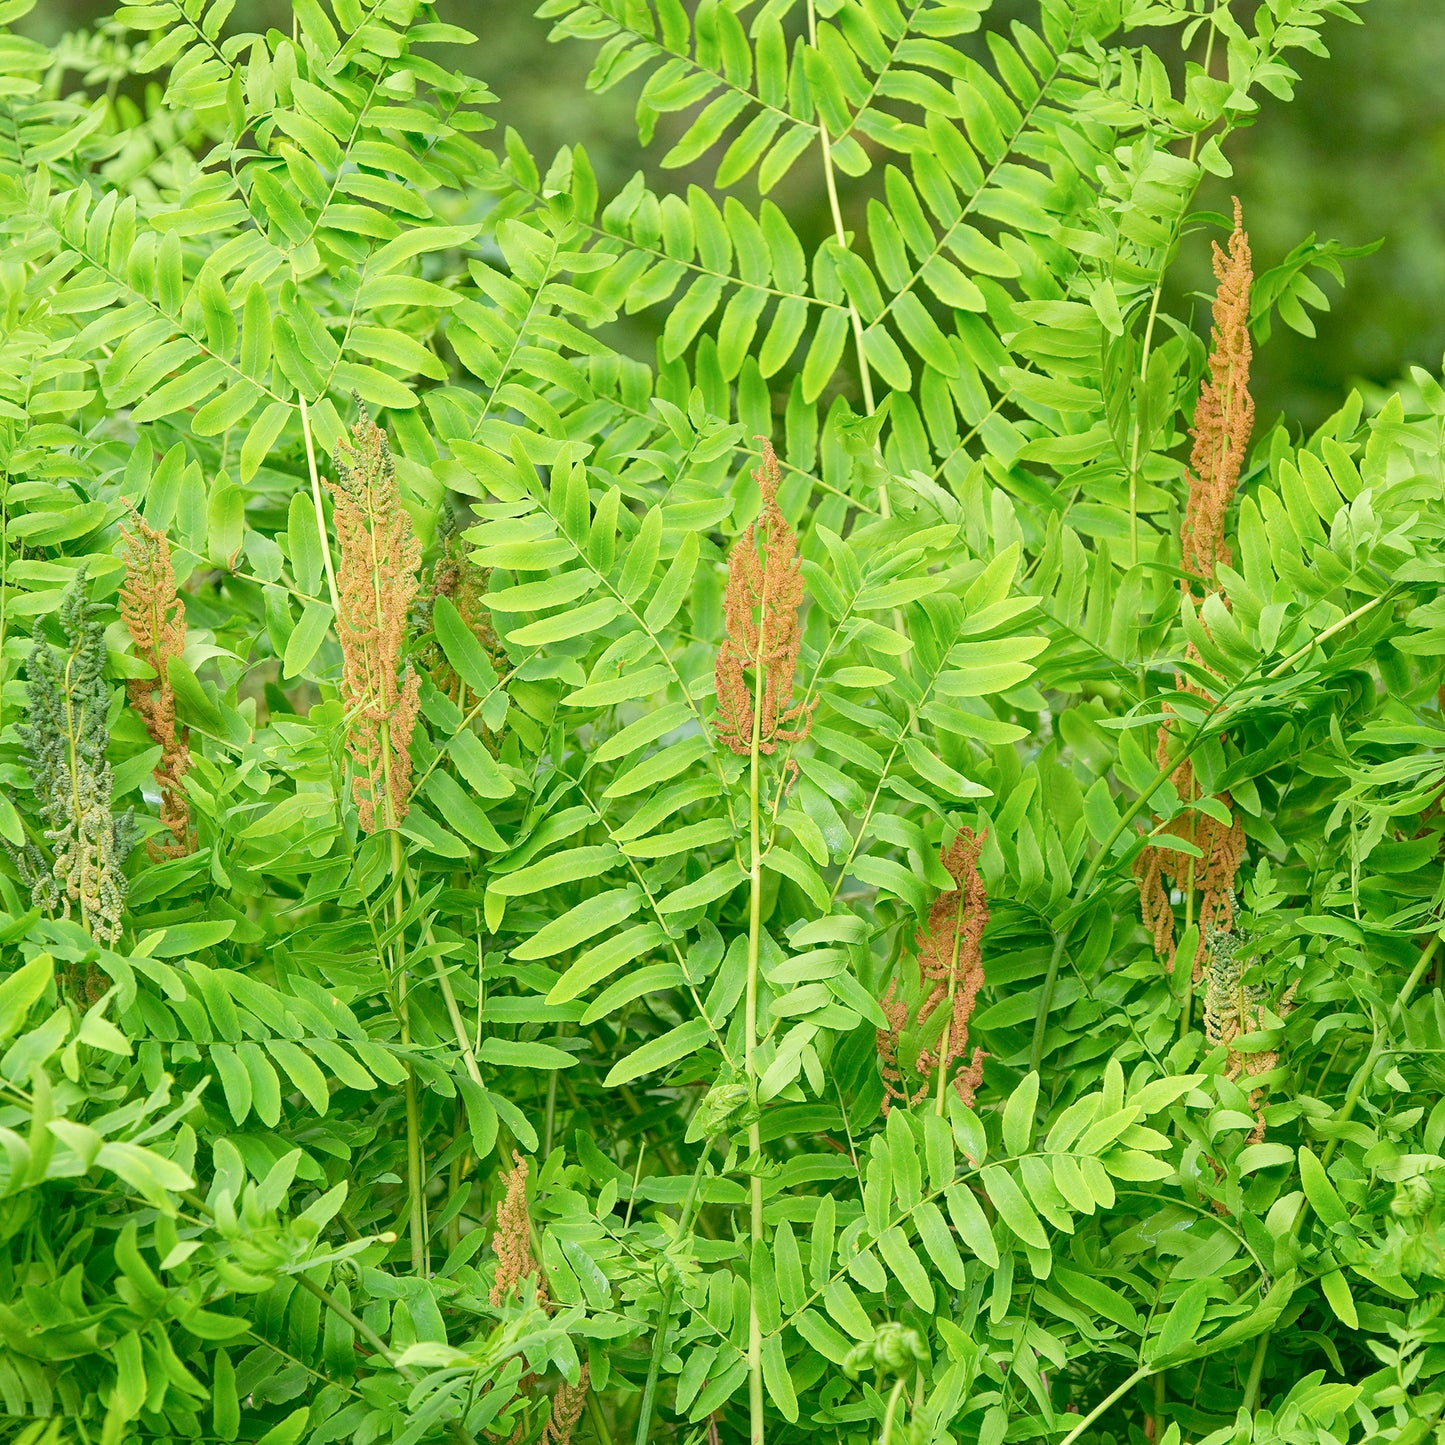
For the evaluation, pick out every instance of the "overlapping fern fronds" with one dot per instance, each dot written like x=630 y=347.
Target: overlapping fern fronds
x=705 y=997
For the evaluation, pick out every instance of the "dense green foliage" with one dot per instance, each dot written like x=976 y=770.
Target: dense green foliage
x=528 y=1082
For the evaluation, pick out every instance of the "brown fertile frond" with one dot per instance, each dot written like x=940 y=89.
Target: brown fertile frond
x=566 y=1409
x=950 y=958
x=949 y=944
x=968 y=1082
x=1223 y=416
x=1223 y=421
x=764 y=595
x=895 y=1010
x=1223 y=849
x=512 y=1242
x=1212 y=875
x=377 y=583
x=950 y=953
x=155 y=617
x=1154 y=904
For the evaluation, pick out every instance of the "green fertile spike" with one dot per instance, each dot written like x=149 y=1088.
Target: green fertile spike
x=65 y=738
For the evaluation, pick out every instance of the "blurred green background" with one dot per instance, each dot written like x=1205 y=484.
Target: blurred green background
x=1358 y=156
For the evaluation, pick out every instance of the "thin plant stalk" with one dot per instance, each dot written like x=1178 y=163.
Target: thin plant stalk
x=449 y=997
x=659 y=1341
x=551 y=1114
x=416 y=1203
x=1187 y=1006
x=835 y=210
x=416 y=1206
x=1109 y=1400
x=1256 y=1372
x=943 y=1060
x=598 y=1419
x=750 y=1040
x=320 y=512
x=894 y=1398
x=454 y=1013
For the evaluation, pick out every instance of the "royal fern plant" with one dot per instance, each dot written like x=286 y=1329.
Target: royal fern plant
x=633 y=817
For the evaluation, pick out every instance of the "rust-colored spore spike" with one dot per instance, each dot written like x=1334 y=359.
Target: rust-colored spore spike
x=950 y=958
x=566 y=1409
x=1154 y=905
x=764 y=594
x=1214 y=877
x=1224 y=414
x=155 y=617
x=512 y=1242
x=377 y=582
x=890 y=1068
x=1223 y=421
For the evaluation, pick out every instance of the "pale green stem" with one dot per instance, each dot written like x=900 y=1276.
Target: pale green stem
x=1142 y=1373
x=1256 y=1372
x=659 y=1340
x=598 y=1419
x=1046 y=999
x=943 y=1059
x=459 y=1027
x=416 y=1204
x=835 y=210
x=1302 y=652
x=1137 y=431
x=320 y=513
x=454 y=1012
x=750 y=1037
x=415 y=1162
x=895 y=1395
x=1187 y=1006
x=551 y=1114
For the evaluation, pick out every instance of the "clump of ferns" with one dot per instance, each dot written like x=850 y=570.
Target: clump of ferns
x=65 y=736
